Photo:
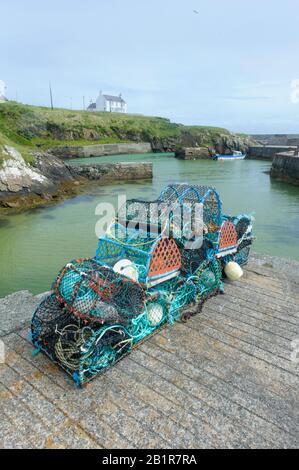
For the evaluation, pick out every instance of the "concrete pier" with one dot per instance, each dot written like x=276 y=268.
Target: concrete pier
x=268 y=152
x=107 y=172
x=228 y=378
x=100 y=150
x=193 y=153
x=285 y=167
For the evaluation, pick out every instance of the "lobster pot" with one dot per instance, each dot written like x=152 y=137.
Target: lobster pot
x=136 y=249
x=188 y=196
x=192 y=259
x=208 y=277
x=158 y=218
x=93 y=292
x=177 y=293
x=81 y=349
x=155 y=260
x=242 y=255
x=151 y=217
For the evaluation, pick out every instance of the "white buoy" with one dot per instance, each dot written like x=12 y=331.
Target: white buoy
x=233 y=271
x=126 y=268
x=154 y=313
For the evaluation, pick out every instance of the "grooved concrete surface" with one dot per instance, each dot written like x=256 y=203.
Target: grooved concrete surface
x=224 y=379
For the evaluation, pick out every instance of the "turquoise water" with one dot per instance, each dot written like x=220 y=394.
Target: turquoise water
x=36 y=244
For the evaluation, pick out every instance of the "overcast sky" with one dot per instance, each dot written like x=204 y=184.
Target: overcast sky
x=231 y=64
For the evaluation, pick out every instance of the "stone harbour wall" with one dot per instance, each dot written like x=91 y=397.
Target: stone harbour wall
x=193 y=153
x=285 y=167
x=267 y=152
x=113 y=171
x=100 y=150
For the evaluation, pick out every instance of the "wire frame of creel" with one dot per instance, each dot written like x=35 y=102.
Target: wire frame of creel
x=152 y=218
x=191 y=194
x=94 y=292
x=191 y=259
x=242 y=255
x=137 y=250
x=142 y=215
x=207 y=277
x=83 y=350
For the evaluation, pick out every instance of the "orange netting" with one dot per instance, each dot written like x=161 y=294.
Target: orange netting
x=228 y=235
x=166 y=257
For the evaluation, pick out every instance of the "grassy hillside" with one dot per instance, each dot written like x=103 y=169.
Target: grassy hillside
x=30 y=127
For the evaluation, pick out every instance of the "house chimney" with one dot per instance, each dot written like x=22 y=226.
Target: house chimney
x=120 y=95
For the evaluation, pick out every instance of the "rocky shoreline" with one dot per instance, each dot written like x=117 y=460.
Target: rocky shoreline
x=49 y=179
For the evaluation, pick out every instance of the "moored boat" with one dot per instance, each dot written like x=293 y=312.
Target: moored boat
x=236 y=155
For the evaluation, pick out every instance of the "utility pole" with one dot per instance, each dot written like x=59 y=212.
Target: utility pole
x=51 y=96
x=83 y=103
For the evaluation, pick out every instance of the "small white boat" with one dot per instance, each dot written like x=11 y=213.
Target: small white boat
x=236 y=155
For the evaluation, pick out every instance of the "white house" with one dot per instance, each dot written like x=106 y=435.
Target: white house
x=109 y=103
x=2 y=91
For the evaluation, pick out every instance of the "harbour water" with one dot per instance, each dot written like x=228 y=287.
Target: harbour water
x=34 y=245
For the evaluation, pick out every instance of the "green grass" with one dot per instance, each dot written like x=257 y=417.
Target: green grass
x=31 y=128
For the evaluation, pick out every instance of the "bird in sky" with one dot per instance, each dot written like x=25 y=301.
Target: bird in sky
x=196 y=12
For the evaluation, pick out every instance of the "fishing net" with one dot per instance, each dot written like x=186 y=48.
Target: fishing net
x=144 y=276
x=94 y=292
x=149 y=216
x=155 y=315
x=207 y=277
x=49 y=316
x=86 y=352
x=191 y=259
x=242 y=255
x=189 y=195
x=81 y=349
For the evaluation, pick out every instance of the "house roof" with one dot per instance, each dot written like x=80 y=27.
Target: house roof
x=92 y=106
x=114 y=98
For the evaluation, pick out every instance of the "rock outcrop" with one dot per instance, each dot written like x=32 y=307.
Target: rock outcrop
x=226 y=144
x=43 y=175
x=49 y=178
x=223 y=143
x=17 y=176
